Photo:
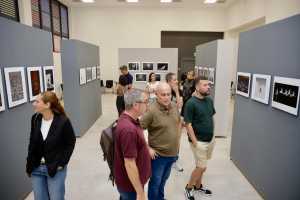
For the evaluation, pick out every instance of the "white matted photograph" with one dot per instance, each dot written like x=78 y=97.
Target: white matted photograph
x=15 y=86
x=205 y=73
x=140 y=77
x=2 y=103
x=88 y=74
x=35 y=82
x=133 y=66
x=48 y=78
x=261 y=88
x=196 y=71
x=98 y=72
x=147 y=65
x=162 y=66
x=82 y=76
x=211 y=75
x=243 y=84
x=286 y=94
x=94 y=73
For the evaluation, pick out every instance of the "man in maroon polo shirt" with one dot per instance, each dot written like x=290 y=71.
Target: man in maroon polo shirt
x=132 y=164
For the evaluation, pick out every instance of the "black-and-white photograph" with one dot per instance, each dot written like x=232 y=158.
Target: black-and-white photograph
x=243 y=84
x=15 y=86
x=158 y=77
x=141 y=77
x=133 y=66
x=211 y=75
x=94 y=73
x=2 y=104
x=98 y=72
x=286 y=94
x=88 y=74
x=148 y=65
x=82 y=76
x=49 y=78
x=261 y=88
x=162 y=66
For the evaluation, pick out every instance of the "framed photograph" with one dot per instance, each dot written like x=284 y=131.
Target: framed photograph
x=82 y=76
x=147 y=66
x=243 y=84
x=286 y=94
x=162 y=66
x=98 y=72
x=158 y=77
x=35 y=82
x=211 y=75
x=141 y=77
x=205 y=73
x=94 y=73
x=2 y=103
x=88 y=74
x=196 y=71
x=15 y=86
x=48 y=78
x=261 y=88
x=133 y=66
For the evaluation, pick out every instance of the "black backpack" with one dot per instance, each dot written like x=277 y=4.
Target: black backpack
x=107 y=145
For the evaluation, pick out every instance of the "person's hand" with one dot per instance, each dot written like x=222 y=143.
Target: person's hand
x=194 y=143
x=175 y=88
x=141 y=196
x=152 y=153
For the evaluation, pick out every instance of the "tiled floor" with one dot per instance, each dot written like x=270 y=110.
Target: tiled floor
x=87 y=177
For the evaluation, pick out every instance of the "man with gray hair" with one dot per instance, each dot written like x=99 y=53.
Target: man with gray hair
x=132 y=161
x=163 y=123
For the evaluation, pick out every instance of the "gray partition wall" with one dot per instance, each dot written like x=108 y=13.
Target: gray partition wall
x=155 y=55
x=20 y=45
x=266 y=141
x=82 y=102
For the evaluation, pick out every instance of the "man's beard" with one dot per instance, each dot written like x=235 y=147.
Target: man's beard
x=204 y=93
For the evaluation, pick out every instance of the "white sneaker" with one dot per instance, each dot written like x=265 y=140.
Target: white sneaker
x=177 y=167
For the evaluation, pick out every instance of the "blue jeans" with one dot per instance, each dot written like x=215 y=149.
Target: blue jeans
x=127 y=195
x=46 y=187
x=161 y=170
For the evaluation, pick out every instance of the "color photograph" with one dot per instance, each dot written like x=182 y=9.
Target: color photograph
x=243 y=84
x=35 y=82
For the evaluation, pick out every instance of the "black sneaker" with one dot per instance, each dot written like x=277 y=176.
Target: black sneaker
x=203 y=190
x=188 y=193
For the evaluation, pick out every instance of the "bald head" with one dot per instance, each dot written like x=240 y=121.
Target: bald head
x=163 y=93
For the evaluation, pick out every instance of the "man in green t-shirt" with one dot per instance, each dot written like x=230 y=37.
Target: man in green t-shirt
x=198 y=116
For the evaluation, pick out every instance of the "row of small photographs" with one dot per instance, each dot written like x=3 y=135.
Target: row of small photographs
x=148 y=66
x=16 y=88
x=206 y=73
x=89 y=74
x=285 y=90
x=143 y=77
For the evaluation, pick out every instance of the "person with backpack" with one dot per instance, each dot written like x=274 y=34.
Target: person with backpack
x=132 y=161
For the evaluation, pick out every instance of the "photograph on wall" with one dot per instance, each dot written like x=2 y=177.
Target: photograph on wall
x=286 y=94
x=133 y=66
x=98 y=72
x=94 y=73
x=162 y=66
x=2 y=104
x=158 y=77
x=82 y=76
x=35 y=82
x=15 y=86
x=141 y=77
x=243 y=84
x=148 y=66
x=199 y=72
x=261 y=88
x=196 y=71
x=48 y=78
x=88 y=74
x=211 y=75
x=205 y=73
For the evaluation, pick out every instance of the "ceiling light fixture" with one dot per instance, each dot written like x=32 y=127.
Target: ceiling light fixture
x=166 y=1
x=132 y=1
x=88 y=1
x=210 y=1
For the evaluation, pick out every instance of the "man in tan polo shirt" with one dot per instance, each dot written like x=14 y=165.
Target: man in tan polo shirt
x=163 y=124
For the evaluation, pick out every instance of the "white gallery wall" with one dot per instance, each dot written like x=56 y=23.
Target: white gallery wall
x=114 y=28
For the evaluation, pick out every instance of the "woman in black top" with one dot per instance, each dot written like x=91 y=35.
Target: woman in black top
x=51 y=144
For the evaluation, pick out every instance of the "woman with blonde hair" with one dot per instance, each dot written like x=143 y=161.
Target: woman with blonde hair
x=51 y=144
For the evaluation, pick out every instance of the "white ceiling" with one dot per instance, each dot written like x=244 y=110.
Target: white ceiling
x=149 y=3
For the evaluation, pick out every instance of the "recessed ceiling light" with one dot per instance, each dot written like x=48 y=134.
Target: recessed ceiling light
x=88 y=1
x=210 y=1
x=166 y=1
x=132 y=1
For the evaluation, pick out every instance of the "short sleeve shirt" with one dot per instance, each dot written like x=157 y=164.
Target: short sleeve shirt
x=130 y=143
x=199 y=112
x=125 y=79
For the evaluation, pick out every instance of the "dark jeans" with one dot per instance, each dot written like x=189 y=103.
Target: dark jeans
x=120 y=104
x=127 y=195
x=161 y=170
